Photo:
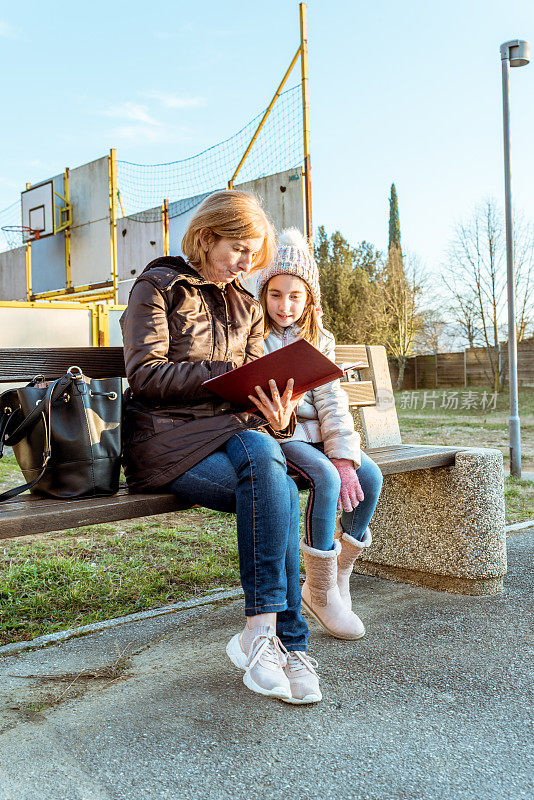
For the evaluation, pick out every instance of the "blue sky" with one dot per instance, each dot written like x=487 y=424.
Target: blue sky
x=407 y=92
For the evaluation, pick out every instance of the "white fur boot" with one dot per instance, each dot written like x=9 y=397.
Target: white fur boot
x=321 y=597
x=351 y=549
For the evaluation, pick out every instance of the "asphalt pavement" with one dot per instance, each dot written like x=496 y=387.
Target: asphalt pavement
x=433 y=703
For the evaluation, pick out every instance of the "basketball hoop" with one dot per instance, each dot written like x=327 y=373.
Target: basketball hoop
x=17 y=235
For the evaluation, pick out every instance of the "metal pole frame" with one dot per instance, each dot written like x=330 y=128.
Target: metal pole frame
x=165 y=224
x=113 y=221
x=28 y=263
x=514 y=425
x=68 y=273
x=303 y=53
x=306 y=122
x=260 y=126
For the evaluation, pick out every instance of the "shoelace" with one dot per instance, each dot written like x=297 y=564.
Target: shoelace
x=270 y=650
x=299 y=663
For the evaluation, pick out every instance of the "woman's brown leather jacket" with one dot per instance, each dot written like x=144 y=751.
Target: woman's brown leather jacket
x=179 y=330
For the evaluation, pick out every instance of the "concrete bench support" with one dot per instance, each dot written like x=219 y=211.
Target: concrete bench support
x=442 y=528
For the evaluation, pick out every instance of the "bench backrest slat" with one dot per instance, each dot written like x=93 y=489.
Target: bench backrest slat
x=22 y=364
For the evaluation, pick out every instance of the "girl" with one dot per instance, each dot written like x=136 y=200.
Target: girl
x=325 y=449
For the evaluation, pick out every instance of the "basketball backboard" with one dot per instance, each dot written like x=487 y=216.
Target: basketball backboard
x=38 y=211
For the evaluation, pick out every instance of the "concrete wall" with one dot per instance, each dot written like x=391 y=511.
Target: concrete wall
x=139 y=241
x=282 y=196
x=115 y=332
x=13 y=274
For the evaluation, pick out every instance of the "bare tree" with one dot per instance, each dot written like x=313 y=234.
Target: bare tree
x=397 y=303
x=476 y=280
x=524 y=277
x=435 y=334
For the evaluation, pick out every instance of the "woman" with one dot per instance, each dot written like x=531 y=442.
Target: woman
x=186 y=322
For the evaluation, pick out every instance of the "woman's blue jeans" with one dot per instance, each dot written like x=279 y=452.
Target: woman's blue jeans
x=310 y=462
x=248 y=476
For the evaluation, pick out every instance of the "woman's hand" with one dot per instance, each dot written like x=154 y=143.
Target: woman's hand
x=351 y=492
x=277 y=411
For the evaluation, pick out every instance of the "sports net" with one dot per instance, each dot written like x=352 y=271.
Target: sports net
x=185 y=183
x=10 y=218
x=279 y=147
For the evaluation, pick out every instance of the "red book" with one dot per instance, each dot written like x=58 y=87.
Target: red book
x=301 y=361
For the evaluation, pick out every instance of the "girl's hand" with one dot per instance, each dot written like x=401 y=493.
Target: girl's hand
x=277 y=411
x=351 y=493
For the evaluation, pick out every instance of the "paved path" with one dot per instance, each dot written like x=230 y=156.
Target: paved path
x=432 y=704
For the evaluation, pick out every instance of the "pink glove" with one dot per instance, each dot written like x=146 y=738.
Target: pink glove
x=351 y=492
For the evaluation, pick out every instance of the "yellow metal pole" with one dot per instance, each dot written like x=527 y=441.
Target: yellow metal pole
x=113 y=221
x=67 y=234
x=165 y=223
x=76 y=290
x=103 y=325
x=120 y=201
x=306 y=121
x=258 y=129
x=94 y=325
x=28 y=263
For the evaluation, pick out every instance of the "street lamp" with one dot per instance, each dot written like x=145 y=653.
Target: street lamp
x=515 y=53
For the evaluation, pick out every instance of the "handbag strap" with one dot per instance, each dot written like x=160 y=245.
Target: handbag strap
x=43 y=410
x=53 y=391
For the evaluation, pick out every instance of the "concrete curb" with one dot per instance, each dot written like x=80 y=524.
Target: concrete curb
x=230 y=594
x=518 y=526
x=71 y=633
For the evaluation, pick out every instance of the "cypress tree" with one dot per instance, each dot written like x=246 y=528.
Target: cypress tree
x=394 y=224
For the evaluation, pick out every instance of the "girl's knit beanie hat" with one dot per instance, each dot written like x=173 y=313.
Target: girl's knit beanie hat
x=293 y=258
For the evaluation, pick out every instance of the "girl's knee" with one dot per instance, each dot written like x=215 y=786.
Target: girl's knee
x=370 y=476
x=330 y=478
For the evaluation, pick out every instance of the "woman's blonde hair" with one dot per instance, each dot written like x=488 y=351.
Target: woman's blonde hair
x=229 y=214
x=308 y=322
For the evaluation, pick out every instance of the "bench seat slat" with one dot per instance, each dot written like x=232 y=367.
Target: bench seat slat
x=406 y=458
x=33 y=515
x=30 y=514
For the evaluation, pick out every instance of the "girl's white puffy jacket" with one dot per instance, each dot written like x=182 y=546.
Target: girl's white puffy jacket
x=323 y=414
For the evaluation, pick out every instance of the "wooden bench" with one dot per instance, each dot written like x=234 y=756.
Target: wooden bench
x=418 y=485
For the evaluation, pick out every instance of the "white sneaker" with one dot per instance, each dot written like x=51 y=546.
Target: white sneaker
x=304 y=681
x=264 y=663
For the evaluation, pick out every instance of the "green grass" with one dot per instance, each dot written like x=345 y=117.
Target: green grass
x=519 y=500
x=526 y=402
x=466 y=426
x=99 y=572
x=9 y=467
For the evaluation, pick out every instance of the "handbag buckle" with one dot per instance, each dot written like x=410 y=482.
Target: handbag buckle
x=75 y=372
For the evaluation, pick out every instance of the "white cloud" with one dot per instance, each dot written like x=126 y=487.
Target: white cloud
x=7 y=32
x=141 y=134
x=133 y=111
x=176 y=101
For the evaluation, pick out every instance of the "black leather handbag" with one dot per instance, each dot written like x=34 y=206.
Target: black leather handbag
x=66 y=436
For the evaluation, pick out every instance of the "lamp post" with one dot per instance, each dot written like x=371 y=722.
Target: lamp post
x=515 y=53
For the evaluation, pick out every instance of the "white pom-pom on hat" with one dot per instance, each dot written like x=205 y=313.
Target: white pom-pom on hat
x=293 y=258
x=292 y=237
